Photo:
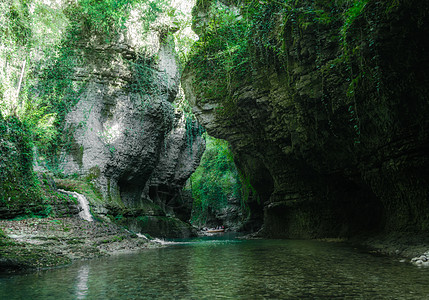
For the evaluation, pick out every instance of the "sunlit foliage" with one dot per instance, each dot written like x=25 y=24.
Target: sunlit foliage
x=215 y=182
x=42 y=43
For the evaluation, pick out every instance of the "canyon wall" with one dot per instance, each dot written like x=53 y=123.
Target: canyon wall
x=326 y=110
x=124 y=135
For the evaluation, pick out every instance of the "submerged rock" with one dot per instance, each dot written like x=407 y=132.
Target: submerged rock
x=422 y=260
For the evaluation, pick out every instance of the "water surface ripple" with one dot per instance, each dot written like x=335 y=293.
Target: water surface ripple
x=228 y=269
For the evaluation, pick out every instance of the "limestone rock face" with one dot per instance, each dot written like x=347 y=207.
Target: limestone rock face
x=235 y=217
x=124 y=135
x=334 y=143
x=179 y=158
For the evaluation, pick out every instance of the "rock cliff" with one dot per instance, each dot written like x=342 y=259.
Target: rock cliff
x=325 y=110
x=124 y=135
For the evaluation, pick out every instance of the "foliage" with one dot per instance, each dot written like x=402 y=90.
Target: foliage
x=22 y=193
x=184 y=37
x=18 y=54
x=58 y=87
x=350 y=15
x=107 y=18
x=220 y=53
x=215 y=182
x=239 y=37
x=84 y=187
x=17 y=180
x=44 y=43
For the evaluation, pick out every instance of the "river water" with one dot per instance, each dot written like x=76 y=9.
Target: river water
x=223 y=268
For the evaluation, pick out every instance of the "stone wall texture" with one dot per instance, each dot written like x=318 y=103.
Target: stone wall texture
x=124 y=134
x=328 y=160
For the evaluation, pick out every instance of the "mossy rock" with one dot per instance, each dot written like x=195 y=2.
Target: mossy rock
x=15 y=256
x=159 y=226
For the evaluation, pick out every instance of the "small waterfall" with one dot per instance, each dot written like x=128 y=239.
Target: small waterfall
x=158 y=241
x=83 y=203
x=142 y=236
x=163 y=242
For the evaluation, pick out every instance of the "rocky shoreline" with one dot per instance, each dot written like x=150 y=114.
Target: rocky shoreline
x=35 y=244
x=409 y=247
x=44 y=243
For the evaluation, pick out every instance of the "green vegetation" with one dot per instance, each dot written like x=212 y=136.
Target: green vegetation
x=23 y=194
x=29 y=29
x=220 y=54
x=17 y=181
x=43 y=43
x=243 y=36
x=84 y=187
x=92 y=23
x=20 y=256
x=215 y=182
x=4 y=240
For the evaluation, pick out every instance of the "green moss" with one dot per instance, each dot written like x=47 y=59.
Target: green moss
x=94 y=173
x=18 y=183
x=75 y=241
x=5 y=240
x=20 y=256
x=263 y=36
x=143 y=221
x=88 y=189
x=23 y=193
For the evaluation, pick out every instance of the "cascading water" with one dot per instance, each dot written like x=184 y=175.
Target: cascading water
x=83 y=204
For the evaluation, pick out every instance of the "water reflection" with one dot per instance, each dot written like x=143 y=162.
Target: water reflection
x=82 y=282
x=230 y=269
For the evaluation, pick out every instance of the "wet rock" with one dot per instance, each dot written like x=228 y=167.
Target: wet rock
x=325 y=163
x=51 y=242
x=422 y=260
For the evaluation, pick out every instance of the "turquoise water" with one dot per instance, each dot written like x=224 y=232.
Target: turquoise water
x=228 y=269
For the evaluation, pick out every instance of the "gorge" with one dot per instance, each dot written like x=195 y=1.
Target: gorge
x=323 y=104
